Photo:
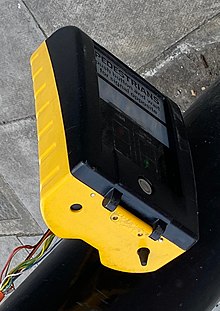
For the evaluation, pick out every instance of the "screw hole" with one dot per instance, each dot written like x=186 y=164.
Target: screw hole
x=115 y=217
x=76 y=207
x=140 y=234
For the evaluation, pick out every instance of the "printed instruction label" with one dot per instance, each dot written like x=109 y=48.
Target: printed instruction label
x=128 y=85
x=118 y=87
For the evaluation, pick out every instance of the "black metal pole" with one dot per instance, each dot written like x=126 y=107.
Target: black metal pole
x=46 y=287
x=192 y=282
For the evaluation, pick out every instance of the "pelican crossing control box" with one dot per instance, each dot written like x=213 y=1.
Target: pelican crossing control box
x=115 y=163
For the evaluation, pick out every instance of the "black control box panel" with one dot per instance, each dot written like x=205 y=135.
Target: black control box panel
x=124 y=137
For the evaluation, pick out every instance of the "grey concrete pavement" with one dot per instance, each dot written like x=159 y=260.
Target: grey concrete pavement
x=14 y=218
x=19 y=163
x=19 y=37
x=134 y=30
x=186 y=69
x=173 y=44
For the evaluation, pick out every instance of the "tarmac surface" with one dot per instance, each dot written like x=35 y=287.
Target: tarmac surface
x=174 y=44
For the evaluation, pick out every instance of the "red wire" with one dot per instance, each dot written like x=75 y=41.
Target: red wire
x=36 y=246
x=17 y=249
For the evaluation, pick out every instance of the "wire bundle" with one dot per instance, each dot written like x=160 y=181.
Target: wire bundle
x=7 y=278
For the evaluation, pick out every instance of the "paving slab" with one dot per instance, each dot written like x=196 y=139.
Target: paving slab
x=7 y=244
x=188 y=68
x=31 y=240
x=19 y=37
x=134 y=30
x=19 y=164
x=14 y=218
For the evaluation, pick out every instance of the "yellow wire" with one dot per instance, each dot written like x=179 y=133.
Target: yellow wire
x=24 y=264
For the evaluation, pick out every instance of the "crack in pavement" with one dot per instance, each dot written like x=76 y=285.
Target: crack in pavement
x=34 y=18
x=31 y=117
x=178 y=42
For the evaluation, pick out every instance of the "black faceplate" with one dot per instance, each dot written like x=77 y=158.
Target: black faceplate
x=133 y=142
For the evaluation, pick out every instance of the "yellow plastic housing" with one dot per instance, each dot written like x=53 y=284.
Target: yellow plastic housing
x=117 y=235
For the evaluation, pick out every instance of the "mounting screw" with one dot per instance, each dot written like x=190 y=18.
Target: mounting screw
x=76 y=207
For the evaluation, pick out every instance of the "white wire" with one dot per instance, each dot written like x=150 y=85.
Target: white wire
x=8 y=276
x=24 y=269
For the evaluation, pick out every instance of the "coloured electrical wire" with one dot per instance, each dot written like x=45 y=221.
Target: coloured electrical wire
x=17 y=249
x=25 y=265
x=36 y=246
x=7 y=279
